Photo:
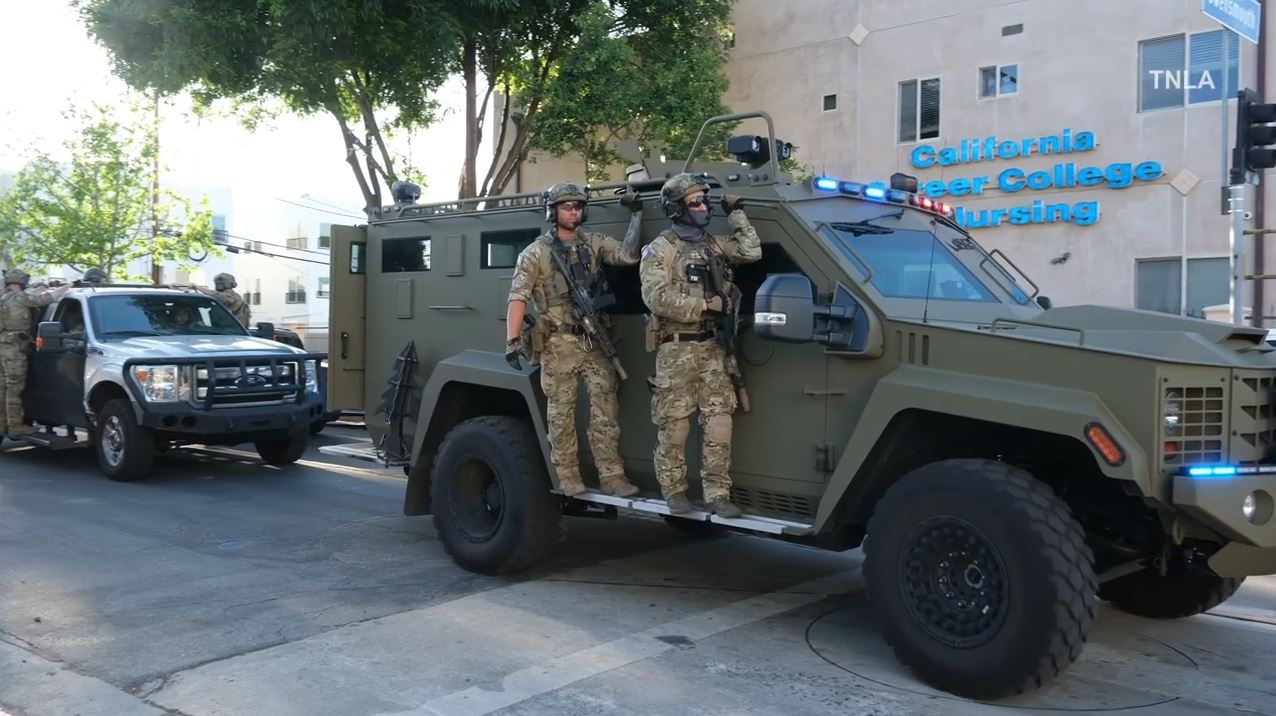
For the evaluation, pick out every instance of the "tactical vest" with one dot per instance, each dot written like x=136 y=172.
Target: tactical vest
x=551 y=292
x=689 y=275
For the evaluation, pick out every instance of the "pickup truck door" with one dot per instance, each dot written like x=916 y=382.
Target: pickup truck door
x=347 y=318
x=55 y=381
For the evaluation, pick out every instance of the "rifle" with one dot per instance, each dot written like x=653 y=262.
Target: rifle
x=728 y=324
x=585 y=310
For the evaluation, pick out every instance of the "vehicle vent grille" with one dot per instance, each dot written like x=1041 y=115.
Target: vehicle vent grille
x=764 y=501
x=263 y=383
x=1193 y=426
x=913 y=348
x=1253 y=418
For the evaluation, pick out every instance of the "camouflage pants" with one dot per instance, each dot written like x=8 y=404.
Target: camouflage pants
x=691 y=376
x=13 y=377
x=564 y=362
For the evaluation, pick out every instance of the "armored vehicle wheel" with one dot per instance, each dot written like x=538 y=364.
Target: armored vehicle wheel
x=125 y=450
x=284 y=451
x=1174 y=596
x=490 y=496
x=980 y=577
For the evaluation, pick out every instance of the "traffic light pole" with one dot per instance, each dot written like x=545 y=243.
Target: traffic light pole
x=1236 y=239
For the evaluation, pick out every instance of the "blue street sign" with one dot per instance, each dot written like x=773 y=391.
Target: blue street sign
x=1241 y=16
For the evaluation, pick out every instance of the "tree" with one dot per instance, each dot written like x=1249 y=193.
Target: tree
x=371 y=64
x=95 y=207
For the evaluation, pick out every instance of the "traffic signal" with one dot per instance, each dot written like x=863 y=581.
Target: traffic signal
x=1255 y=135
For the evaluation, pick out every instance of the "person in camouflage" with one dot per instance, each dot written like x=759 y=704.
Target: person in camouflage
x=96 y=277
x=690 y=364
x=224 y=291
x=16 y=304
x=568 y=355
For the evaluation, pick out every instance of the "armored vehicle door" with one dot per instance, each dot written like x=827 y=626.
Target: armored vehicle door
x=347 y=318
x=55 y=381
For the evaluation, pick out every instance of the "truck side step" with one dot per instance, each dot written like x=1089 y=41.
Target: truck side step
x=53 y=441
x=753 y=523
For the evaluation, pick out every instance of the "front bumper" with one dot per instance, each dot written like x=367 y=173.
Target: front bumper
x=250 y=422
x=1217 y=502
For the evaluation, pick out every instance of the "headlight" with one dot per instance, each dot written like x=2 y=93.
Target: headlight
x=1173 y=414
x=162 y=383
x=312 y=378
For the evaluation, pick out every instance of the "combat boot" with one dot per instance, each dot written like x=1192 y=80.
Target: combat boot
x=571 y=485
x=679 y=505
x=723 y=507
x=619 y=486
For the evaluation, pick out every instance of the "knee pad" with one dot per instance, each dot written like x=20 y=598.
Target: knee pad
x=718 y=428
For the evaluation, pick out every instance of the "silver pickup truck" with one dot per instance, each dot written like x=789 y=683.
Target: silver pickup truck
x=139 y=369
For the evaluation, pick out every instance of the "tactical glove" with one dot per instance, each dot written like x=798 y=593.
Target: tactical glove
x=511 y=353
x=715 y=304
x=631 y=201
x=731 y=202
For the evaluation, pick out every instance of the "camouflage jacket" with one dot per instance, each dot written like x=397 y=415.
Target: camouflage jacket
x=234 y=303
x=15 y=312
x=538 y=281
x=672 y=271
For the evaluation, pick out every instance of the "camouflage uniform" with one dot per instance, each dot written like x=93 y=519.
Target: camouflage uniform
x=223 y=285
x=15 y=343
x=567 y=355
x=690 y=364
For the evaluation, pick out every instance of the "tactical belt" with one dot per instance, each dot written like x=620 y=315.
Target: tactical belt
x=688 y=337
x=574 y=329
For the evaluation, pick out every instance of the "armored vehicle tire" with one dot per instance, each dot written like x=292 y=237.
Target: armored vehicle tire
x=125 y=450
x=491 y=497
x=980 y=577
x=1174 y=596
x=317 y=427
x=284 y=451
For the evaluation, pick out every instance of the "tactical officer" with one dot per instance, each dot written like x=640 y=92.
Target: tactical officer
x=16 y=304
x=690 y=364
x=96 y=277
x=223 y=290
x=568 y=354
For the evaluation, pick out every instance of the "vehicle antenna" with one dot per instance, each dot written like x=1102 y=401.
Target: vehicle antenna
x=930 y=274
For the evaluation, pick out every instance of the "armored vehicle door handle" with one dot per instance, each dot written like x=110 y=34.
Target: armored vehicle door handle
x=823 y=391
x=451 y=308
x=345 y=345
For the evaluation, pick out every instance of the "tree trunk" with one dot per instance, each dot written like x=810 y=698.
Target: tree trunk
x=469 y=64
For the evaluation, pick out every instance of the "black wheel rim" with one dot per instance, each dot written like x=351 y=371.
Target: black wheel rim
x=953 y=582
x=478 y=499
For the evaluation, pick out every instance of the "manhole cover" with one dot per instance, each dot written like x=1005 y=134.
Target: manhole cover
x=847 y=638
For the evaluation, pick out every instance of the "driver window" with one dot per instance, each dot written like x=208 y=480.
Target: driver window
x=71 y=315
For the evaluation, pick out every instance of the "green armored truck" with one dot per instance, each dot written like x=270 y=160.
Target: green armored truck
x=1003 y=463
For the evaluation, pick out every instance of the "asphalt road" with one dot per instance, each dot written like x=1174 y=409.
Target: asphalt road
x=221 y=586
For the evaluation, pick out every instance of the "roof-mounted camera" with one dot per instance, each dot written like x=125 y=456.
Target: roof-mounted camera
x=405 y=192
x=753 y=150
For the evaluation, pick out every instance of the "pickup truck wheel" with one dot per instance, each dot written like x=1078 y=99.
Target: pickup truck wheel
x=490 y=496
x=1174 y=596
x=980 y=577
x=284 y=451
x=125 y=450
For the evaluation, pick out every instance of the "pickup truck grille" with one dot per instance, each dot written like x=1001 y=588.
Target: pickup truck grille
x=1253 y=417
x=252 y=382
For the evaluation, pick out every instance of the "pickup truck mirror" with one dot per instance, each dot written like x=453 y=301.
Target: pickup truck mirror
x=49 y=335
x=266 y=329
x=1045 y=302
x=784 y=309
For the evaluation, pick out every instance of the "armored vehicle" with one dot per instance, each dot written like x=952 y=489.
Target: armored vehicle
x=1005 y=464
x=140 y=369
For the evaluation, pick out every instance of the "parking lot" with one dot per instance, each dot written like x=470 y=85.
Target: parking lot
x=220 y=586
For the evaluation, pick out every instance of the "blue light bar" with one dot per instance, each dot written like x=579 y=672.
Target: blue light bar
x=853 y=188
x=1216 y=471
x=826 y=184
x=896 y=195
x=873 y=191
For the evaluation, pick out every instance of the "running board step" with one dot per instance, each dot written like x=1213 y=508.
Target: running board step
x=53 y=441
x=754 y=523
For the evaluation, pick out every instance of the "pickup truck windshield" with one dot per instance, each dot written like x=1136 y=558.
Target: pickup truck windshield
x=130 y=316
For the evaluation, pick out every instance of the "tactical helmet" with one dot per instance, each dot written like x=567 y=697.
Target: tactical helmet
x=17 y=276
x=223 y=281
x=96 y=275
x=678 y=186
x=564 y=191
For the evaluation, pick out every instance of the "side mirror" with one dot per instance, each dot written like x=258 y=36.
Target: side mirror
x=266 y=329
x=784 y=309
x=49 y=336
x=1045 y=302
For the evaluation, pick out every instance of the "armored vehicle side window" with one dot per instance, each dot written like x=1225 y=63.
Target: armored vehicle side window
x=358 y=258
x=500 y=249
x=405 y=255
x=908 y=263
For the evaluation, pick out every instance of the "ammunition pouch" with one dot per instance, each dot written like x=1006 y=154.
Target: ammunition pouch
x=531 y=338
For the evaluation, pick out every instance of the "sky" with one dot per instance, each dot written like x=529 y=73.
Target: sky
x=49 y=63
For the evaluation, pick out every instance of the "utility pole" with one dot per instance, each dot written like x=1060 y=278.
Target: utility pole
x=156 y=267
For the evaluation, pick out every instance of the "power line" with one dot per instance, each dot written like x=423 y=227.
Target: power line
x=326 y=211
x=237 y=250
x=278 y=246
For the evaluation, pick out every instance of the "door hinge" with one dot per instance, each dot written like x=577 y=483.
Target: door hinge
x=824 y=459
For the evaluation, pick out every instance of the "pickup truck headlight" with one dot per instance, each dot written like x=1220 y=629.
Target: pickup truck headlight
x=312 y=377
x=163 y=383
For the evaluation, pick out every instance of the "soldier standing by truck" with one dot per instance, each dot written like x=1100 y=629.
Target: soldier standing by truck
x=691 y=369
x=569 y=353
x=224 y=291
x=16 y=304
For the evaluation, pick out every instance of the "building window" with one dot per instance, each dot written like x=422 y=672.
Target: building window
x=830 y=102
x=325 y=236
x=296 y=292
x=325 y=287
x=998 y=81
x=1177 y=71
x=500 y=249
x=1158 y=286
x=253 y=297
x=404 y=255
x=918 y=109
x=297 y=242
x=219 y=230
x=1009 y=30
